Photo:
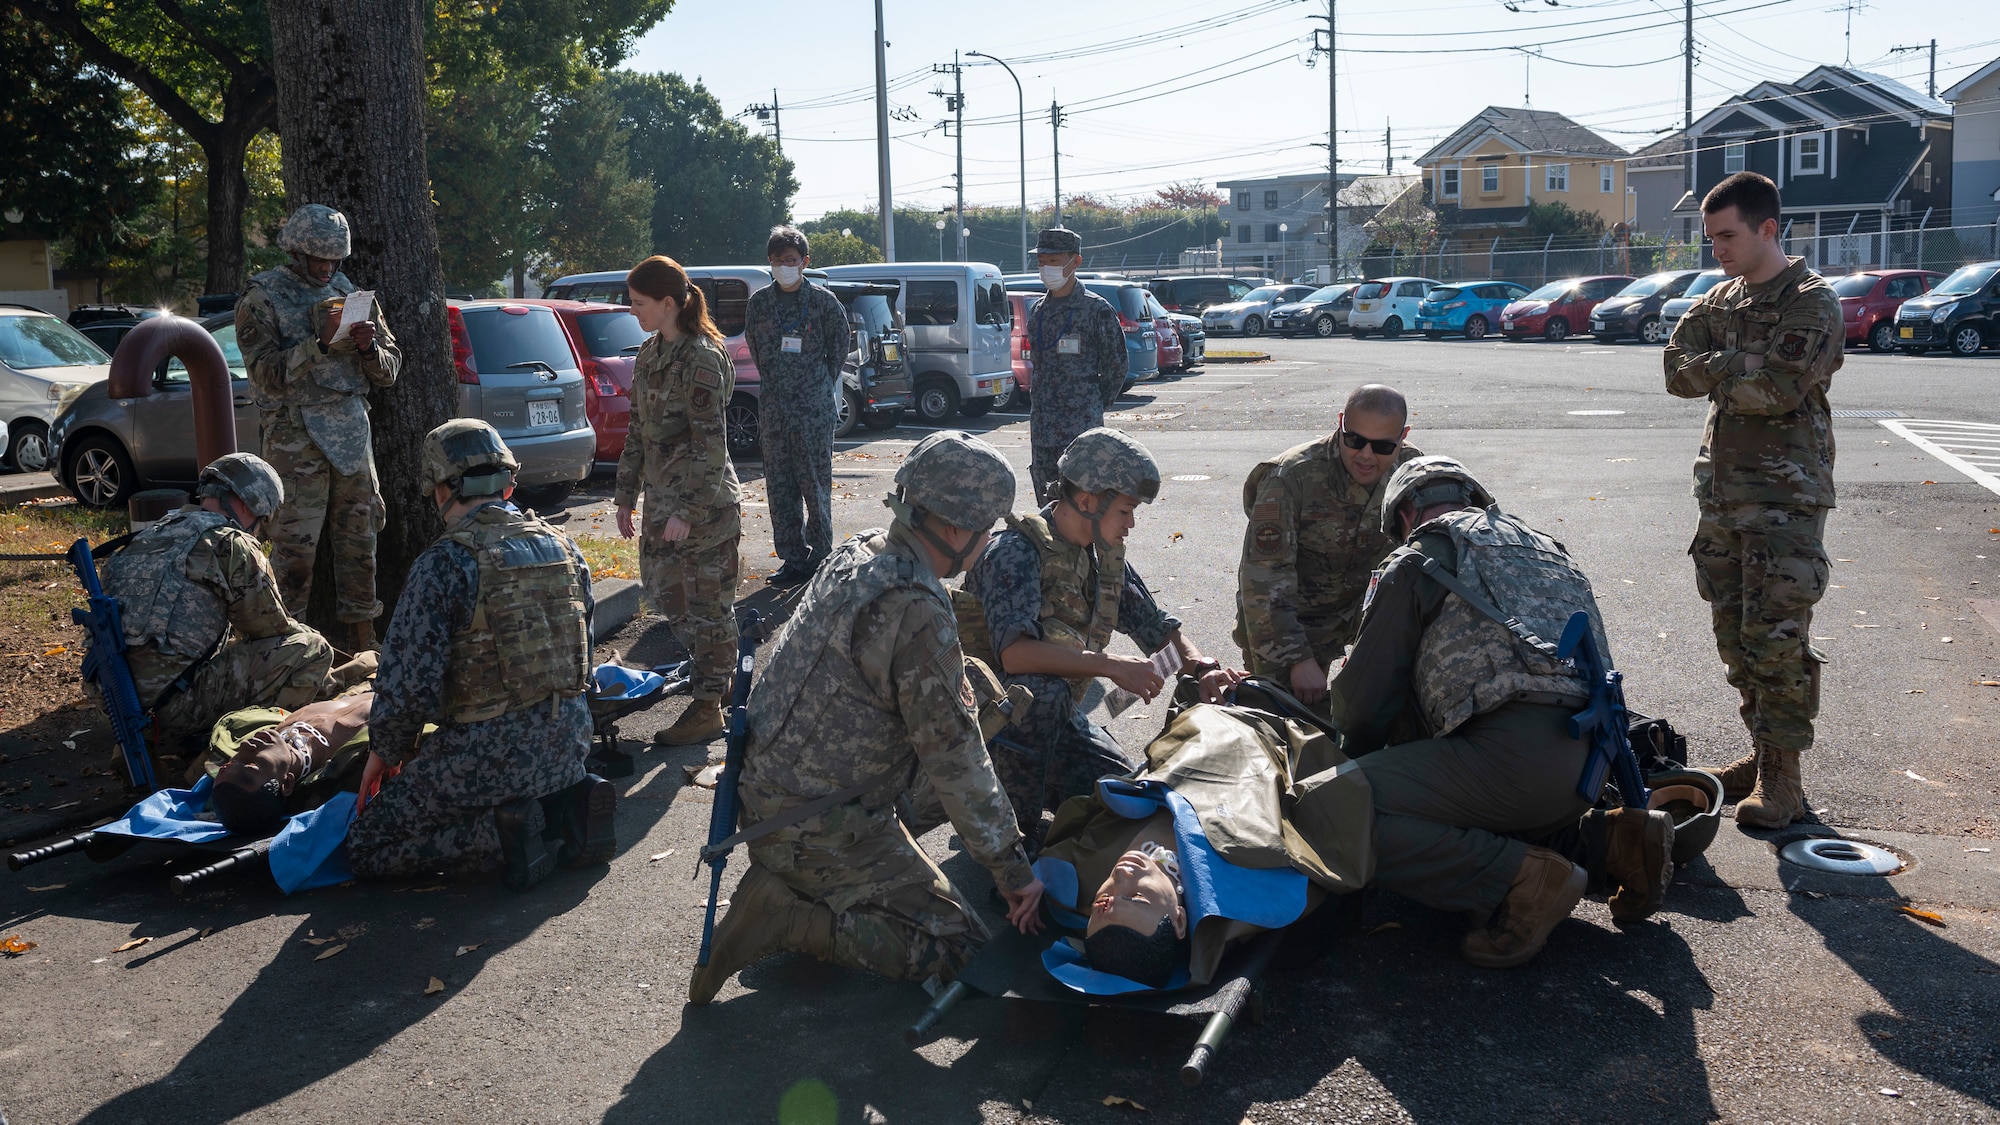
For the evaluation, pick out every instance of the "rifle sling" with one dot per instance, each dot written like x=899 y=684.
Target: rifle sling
x=1456 y=585
x=792 y=816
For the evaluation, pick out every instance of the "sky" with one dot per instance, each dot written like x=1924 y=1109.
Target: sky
x=1206 y=90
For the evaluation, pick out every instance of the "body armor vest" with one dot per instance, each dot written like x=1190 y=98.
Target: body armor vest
x=294 y=299
x=157 y=601
x=527 y=642
x=816 y=725
x=1075 y=614
x=1467 y=663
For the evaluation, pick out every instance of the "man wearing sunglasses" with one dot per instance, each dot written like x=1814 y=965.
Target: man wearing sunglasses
x=1314 y=535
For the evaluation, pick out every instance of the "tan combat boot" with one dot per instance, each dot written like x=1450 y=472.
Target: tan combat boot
x=1545 y=890
x=1639 y=858
x=765 y=917
x=700 y=723
x=1738 y=777
x=1779 y=798
x=361 y=637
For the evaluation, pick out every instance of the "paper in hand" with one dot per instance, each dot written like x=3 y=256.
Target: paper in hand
x=357 y=309
x=1166 y=662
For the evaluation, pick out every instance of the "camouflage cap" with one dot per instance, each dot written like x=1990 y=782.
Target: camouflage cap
x=247 y=477
x=1429 y=480
x=1108 y=460
x=317 y=231
x=957 y=478
x=1059 y=240
x=460 y=446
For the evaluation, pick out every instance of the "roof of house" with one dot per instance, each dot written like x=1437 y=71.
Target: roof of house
x=1828 y=96
x=1374 y=191
x=1668 y=152
x=1317 y=180
x=1963 y=88
x=1529 y=130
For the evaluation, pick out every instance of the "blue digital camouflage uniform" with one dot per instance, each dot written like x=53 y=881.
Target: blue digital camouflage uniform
x=437 y=814
x=1057 y=752
x=1074 y=382
x=795 y=411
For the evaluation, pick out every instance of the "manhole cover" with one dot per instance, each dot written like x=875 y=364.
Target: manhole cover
x=1189 y=477
x=1869 y=414
x=1842 y=857
x=1596 y=413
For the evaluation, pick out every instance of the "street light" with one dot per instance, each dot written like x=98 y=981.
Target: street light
x=940 y=227
x=1284 y=258
x=1021 y=123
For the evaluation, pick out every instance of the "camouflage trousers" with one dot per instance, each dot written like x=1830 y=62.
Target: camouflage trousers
x=693 y=583
x=1042 y=473
x=896 y=913
x=320 y=498
x=1051 y=753
x=1762 y=568
x=286 y=671
x=798 y=483
x=415 y=826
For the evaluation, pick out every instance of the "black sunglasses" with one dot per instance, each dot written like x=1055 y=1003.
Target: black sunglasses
x=1383 y=447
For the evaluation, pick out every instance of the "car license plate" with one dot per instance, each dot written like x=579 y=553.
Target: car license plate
x=1506 y=326
x=1364 y=306
x=891 y=353
x=547 y=412
x=1597 y=326
x=1906 y=333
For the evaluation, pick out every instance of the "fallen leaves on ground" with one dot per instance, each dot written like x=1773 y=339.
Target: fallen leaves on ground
x=434 y=987
x=331 y=951
x=465 y=949
x=1385 y=926
x=316 y=940
x=133 y=944
x=50 y=887
x=15 y=945
x=1925 y=916
x=658 y=856
x=1913 y=691
x=1128 y=1103
x=1986 y=683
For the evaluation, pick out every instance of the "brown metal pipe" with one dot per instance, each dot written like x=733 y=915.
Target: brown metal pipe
x=148 y=345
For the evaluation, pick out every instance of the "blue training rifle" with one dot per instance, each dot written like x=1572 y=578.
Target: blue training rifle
x=105 y=665
x=1604 y=722
x=722 y=816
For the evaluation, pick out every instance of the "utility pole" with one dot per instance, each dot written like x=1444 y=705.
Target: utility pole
x=1931 y=88
x=1388 y=153
x=885 y=203
x=768 y=113
x=1687 y=92
x=955 y=102
x=1332 y=151
x=1021 y=125
x=1055 y=130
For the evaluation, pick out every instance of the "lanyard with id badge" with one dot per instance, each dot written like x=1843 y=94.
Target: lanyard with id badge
x=792 y=342
x=1066 y=344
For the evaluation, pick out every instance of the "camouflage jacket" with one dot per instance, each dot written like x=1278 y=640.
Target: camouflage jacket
x=1314 y=536
x=1007 y=580
x=530 y=751
x=1769 y=438
x=1070 y=391
x=801 y=382
x=677 y=451
x=867 y=681
x=278 y=334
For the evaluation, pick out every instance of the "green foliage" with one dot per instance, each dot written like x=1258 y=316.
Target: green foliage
x=550 y=45
x=1560 y=219
x=67 y=136
x=1141 y=235
x=832 y=248
x=718 y=188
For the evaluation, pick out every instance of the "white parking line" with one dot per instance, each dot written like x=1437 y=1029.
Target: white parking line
x=1957 y=444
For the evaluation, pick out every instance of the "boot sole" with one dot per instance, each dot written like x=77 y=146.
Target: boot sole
x=1561 y=908
x=600 y=812
x=698 y=739
x=527 y=858
x=1659 y=834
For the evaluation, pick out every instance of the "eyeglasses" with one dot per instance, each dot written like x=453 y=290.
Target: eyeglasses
x=1383 y=447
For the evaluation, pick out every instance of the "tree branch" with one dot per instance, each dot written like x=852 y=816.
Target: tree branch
x=62 y=16
x=221 y=51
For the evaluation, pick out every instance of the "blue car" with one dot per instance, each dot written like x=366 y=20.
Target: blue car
x=1468 y=307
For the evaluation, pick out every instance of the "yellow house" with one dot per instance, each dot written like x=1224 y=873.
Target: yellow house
x=1487 y=173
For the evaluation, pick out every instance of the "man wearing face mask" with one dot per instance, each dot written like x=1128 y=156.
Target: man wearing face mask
x=799 y=336
x=1078 y=351
x=863 y=704
x=205 y=629
x=311 y=387
x=491 y=642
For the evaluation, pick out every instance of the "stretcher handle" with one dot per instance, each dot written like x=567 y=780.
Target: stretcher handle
x=919 y=1033
x=1212 y=1036
x=234 y=859
x=75 y=843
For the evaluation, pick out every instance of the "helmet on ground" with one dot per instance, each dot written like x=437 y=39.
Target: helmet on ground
x=460 y=448
x=1425 y=482
x=1693 y=798
x=957 y=478
x=1107 y=460
x=317 y=231
x=247 y=477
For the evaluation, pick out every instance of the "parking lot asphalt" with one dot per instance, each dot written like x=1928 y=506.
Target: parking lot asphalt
x=1760 y=994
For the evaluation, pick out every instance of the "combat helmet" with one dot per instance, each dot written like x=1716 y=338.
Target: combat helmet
x=959 y=479
x=247 y=477
x=453 y=451
x=1693 y=799
x=1107 y=460
x=317 y=231
x=1427 y=481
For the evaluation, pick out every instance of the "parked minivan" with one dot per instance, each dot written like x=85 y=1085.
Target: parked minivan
x=956 y=330
x=1194 y=294
x=517 y=371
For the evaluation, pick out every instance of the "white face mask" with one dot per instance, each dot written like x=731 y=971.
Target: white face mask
x=786 y=276
x=1054 y=276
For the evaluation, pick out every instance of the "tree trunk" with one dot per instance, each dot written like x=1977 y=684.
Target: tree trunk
x=351 y=119
x=228 y=192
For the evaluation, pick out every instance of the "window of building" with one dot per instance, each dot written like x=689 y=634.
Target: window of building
x=1558 y=177
x=1242 y=201
x=1604 y=177
x=1808 y=154
x=1243 y=231
x=1489 y=178
x=1270 y=232
x=1448 y=181
x=1270 y=201
x=1734 y=157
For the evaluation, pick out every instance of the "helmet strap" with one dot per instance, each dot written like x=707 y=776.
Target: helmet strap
x=1096 y=519
x=956 y=557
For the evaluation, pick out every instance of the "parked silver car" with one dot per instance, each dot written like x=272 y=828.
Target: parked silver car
x=1670 y=313
x=43 y=364
x=1251 y=315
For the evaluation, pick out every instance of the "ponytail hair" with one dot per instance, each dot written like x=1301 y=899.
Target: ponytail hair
x=664 y=279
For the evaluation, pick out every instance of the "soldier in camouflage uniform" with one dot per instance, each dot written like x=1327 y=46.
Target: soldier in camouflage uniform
x=677 y=456
x=1314 y=536
x=1762 y=347
x=1498 y=762
x=799 y=336
x=1078 y=351
x=491 y=643
x=205 y=630
x=864 y=701
x=310 y=388
x=1041 y=606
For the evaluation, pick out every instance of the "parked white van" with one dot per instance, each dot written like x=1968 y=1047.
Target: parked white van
x=957 y=329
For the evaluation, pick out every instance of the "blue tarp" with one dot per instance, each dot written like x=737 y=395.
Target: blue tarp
x=306 y=853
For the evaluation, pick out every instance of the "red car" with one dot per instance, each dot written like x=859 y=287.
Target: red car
x=606 y=339
x=1024 y=372
x=1172 y=352
x=1869 y=300
x=1558 y=309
